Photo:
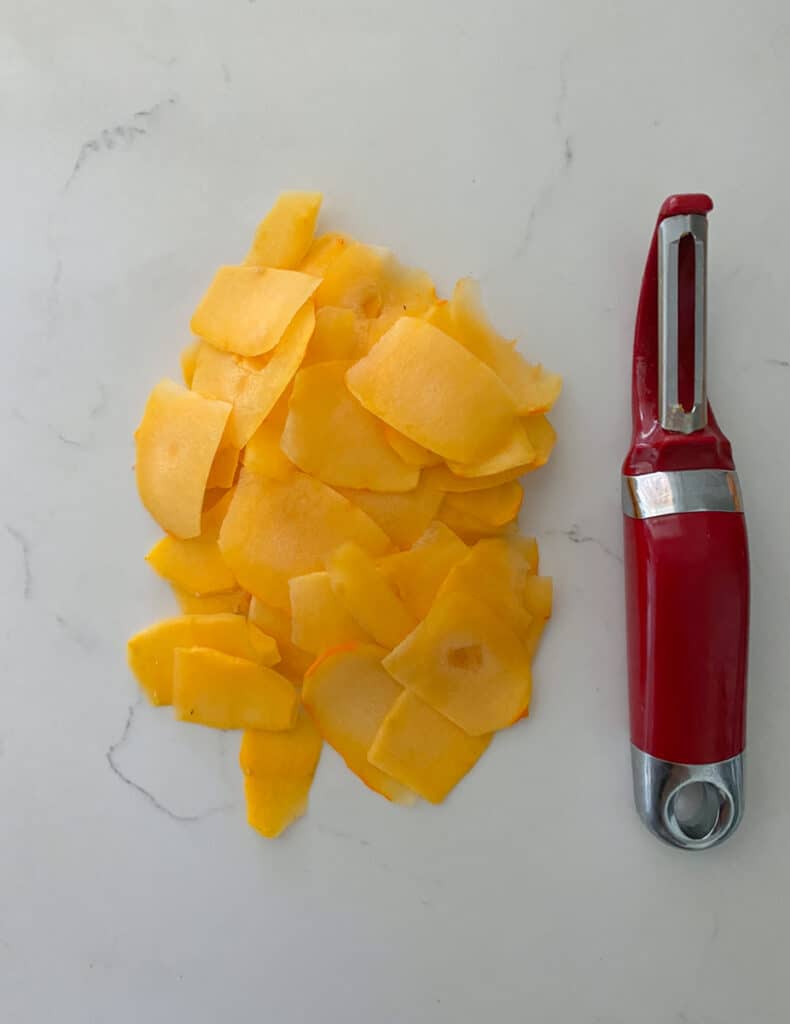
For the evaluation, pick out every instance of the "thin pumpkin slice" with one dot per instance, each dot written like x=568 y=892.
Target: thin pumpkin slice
x=404 y=516
x=223 y=468
x=409 y=450
x=279 y=411
x=516 y=450
x=223 y=691
x=471 y=530
x=263 y=454
x=538 y=596
x=370 y=281
x=533 y=636
x=368 y=597
x=330 y=435
x=215 y=506
x=176 y=442
x=319 y=618
x=284 y=236
x=276 y=529
x=466 y=663
x=354 y=279
x=440 y=315
x=427 y=386
x=494 y=506
x=253 y=386
x=424 y=750
x=194 y=565
x=349 y=694
x=294 y=661
x=542 y=437
x=246 y=310
x=339 y=334
x=273 y=621
x=407 y=292
x=497 y=571
x=533 y=389
x=188 y=358
x=323 y=252
x=275 y=802
x=418 y=573
x=447 y=481
x=150 y=651
x=290 y=754
x=235 y=602
x=279 y=768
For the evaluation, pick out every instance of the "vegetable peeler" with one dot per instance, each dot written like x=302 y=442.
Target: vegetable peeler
x=686 y=555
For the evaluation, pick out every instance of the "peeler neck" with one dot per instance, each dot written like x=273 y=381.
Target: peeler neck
x=654 y=445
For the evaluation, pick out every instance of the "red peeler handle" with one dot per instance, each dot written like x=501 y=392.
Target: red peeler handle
x=686 y=556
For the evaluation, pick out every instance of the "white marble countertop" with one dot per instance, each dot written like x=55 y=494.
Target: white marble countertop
x=529 y=144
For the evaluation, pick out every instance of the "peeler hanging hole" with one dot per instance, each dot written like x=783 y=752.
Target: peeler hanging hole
x=709 y=812
x=694 y=809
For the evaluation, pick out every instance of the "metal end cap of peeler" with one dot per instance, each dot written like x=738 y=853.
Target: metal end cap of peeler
x=690 y=806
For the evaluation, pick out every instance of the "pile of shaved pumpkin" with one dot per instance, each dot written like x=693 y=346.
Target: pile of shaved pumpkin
x=337 y=479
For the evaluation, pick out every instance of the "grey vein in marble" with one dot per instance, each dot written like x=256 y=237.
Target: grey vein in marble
x=85 y=641
x=24 y=545
x=69 y=440
x=100 y=406
x=109 y=138
x=113 y=749
x=547 y=190
x=575 y=535
x=338 y=834
x=562 y=94
x=95 y=412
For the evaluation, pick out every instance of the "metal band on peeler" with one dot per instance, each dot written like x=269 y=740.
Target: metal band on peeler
x=689 y=490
